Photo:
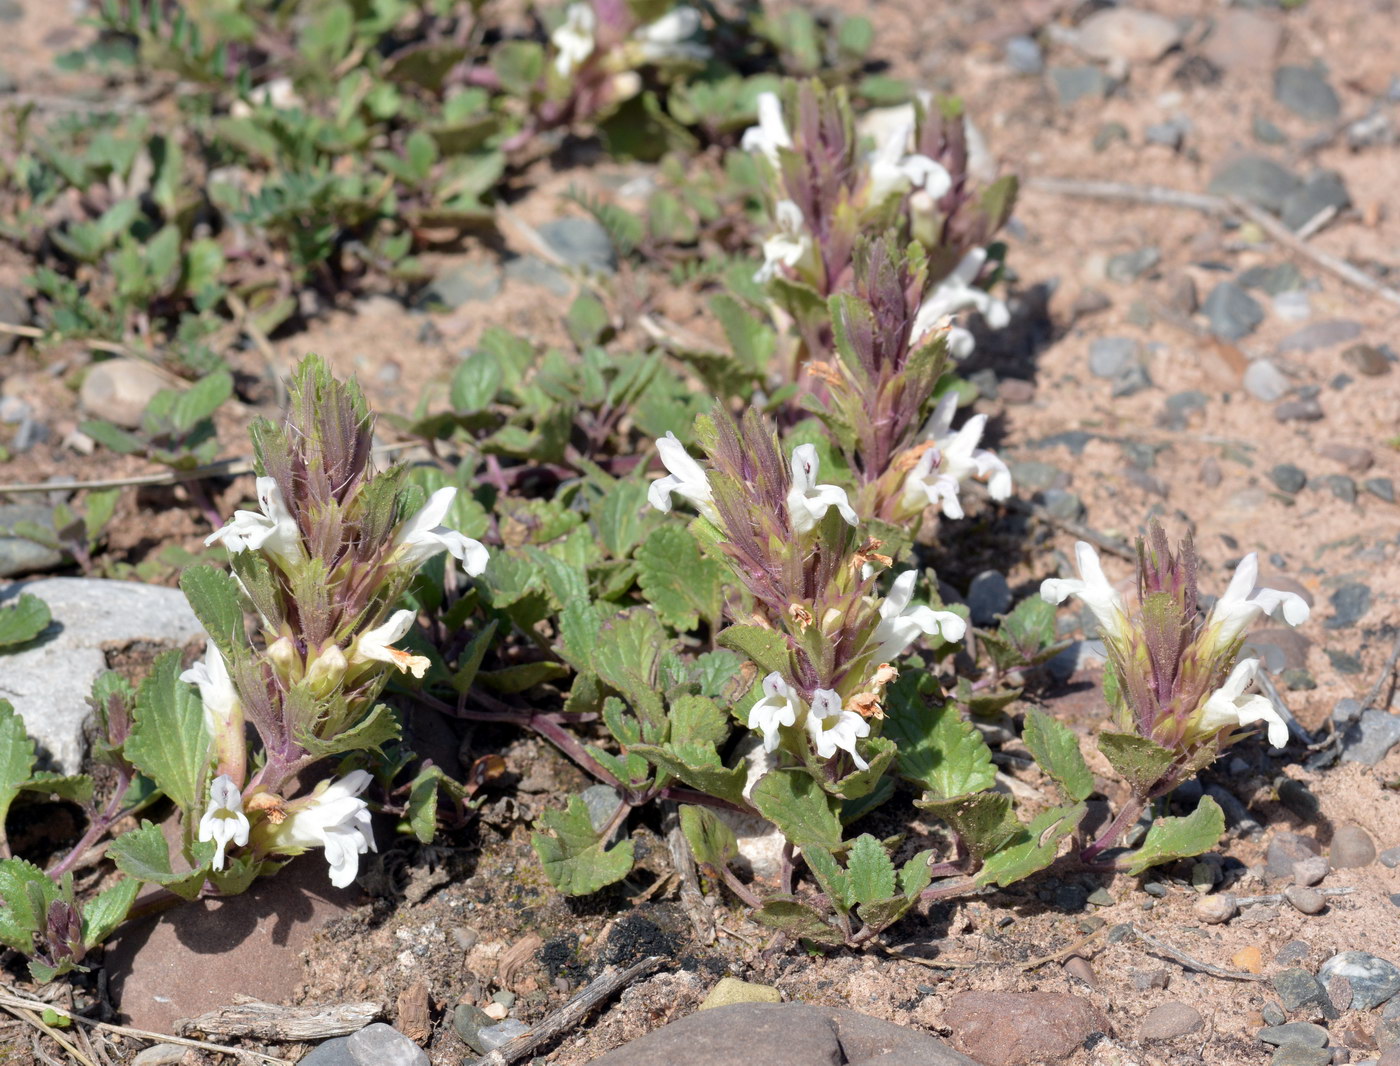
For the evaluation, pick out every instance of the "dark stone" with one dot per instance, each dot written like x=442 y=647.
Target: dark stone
x=1171 y=133
x=1298 y=798
x=783 y=1034
x=1344 y=662
x=1367 y=360
x=988 y=596
x=1293 y=951
x=1381 y=487
x=1304 y=1033
x=1272 y=279
x=1320 y=335
x=1072 y=84
x=1297 y=989
x=1288 y=478
x=1232 y=312
x=1390 y=858
x=469 y=1021
x=1306 y=92
x=1257 y=179
x=1273 y=1014
x=1373 y=980
x=1064 y=505
x=1180 y=406
x=333 y=1052
x=1349 y=605
x=1323 y=190
x=1033 y=475
x=1304 y=409
x=1369 y=738
x=1301 y=1055
x=1341 y=486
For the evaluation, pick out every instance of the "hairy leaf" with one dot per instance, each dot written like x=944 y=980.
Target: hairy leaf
x=937 y=749
x=144 y=853
x=1179 y=838
x=168 y=741
x=1142 y=762
x=798 y=920
x=16 y=759
x=794 y=802
x=681 y=584
x=1056 y=750
x=711 y=840
x=1037 y=848
x=26 y=619
x=573 y=854
x=871 y=871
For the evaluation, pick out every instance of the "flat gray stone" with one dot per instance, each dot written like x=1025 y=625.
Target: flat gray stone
x=1304 y=1033
x=1110 y=356
x=462 y=284
x=1232 y=312
x=1306 y=92
x=1072 y=84
x=1373 y=980
x=1266 y=382
x=1297 y=988
x=493 y=1036
x=333 y=1052
x=383 y=1045
x=1317 y=335
x=1170 y=1021
x=1128 y=35
x=532 y=270
x=19 y=556
x=581 y=242
x=49 y=682
x=1255 y=178
x=783 y=1034
x=1023 y=55
x=1323 y=190
x=1301 y=1055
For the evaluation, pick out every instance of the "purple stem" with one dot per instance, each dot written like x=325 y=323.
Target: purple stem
x=1126 y=817
x=95 y=829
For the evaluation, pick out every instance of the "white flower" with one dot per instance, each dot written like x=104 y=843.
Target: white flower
x=686 y=479
x=373 y=645
x=1093 y=588
x=807 y=501
x=334 y=818
x=790 y=246
x=771 y=133
x=669 y=37
x=274 y=531
x=573 y=40
x=900 y=625
x=1244 y=602
x=422 y=537
x=224 y=820
x=1228 y=707
x=216 y=691
x=956 y=293
x=831 y=728
x=892 y=172
x=958 y=459
x=779 y=707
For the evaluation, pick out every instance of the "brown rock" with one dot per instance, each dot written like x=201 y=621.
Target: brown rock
x=1304 y=899
x=119 y=391
x=1016 y=391
x=1352 y=846
x=1081 y=970
x=1354 y=460
x=1244 y=41
x=1019 y=1029
x=1367 y=360
x=1169 y=1021
x=198 y=956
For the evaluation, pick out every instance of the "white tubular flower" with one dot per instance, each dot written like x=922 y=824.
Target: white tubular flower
x=1228 y=707
x=273 y=531
x=807 y=501
x=790 y=246
x=334 y=818
x=216 y=691
x=900 y=625
x=959 y=460
x=928 y=485
x=1093 y=588
x=771 y=133
x=685 y=478
x=373 y=645
x=224 y=820
x=669 y=37
x=892 y=172
x=779 y=707
x=1243 y=602
x=573 y=41
x=423 y=536
x=957 y=293
x=833 y=729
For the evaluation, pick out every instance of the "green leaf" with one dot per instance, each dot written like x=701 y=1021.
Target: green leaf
x=25 y=620
x=983 y=820
x=880 y=753
x=76 y=788
x=201 y=400
x=710 y=838
x=213 y=596
x=937 y=749
x=475 y=384
x=871 y=871
x=469 y=662
x=699 y=766
x=698 y=720
x=1142 y=762
x=681 y=584
x=750 y=339
x=766 y=647
x=915 y=875
x=20 y=918
x=144 y=853
x=794 y=802
x=108 y=910
x=1179 y=838
x=168 y=741
x=835 y=881
x=1056 y=749
x=798 y=920
x=587 y=320
x=422 y=804
x=626 y=657
x=378 y=728
x=16 y=759
x=1036 y=850
x=573 y=855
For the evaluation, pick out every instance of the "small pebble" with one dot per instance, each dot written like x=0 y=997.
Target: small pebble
x=1170 y=1021
x=1304 y=899
x=1309 y=872
x=1213 y=910
x=1390 y=858
x=1250 y=960
x=1381 y=487
x=1300 y=410
x=1367 y=360
x=1288 y=478
x=1273 y=1014
x=496 y=1011
x=1080 y=970
x=1305 y=1033
x=1352 y=846
x=383 y=1045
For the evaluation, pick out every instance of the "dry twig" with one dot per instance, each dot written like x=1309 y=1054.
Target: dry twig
x=567 y=1017
x=282 y=1025
x=693 y=902
x=1069 y=949
x=1183 y=959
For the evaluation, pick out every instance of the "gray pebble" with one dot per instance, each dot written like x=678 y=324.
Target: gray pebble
x=1304 y=1033
x=383 y=1045
x=1265 y=132
x=461 y=284
x=334 y=1052
x=469 y=1021
x=1111 y=356
x=532 y=270
x=1273 y=1014
x=1257 y=179
x=1323 y=190
x=1023 y=55
x=1133 y=380
x=1297 y=988
x=1367 y=739
x=1381 y=487
x=1341 y=486
x=1349 y=605
x=1266 y=382
x=1317 y=335
x=1170 y=1021
x=1063 y=504
x=1390 y=858
x=1306 y=92
x=1285 y=849
x=1272 y=279
x=1126 y=266
x=1301 y=1055
x=988 y=596
x=1304 y=899
x=1311 y=871
x=1034 y=475
x=1352 y=847
x=1303 y=409
x=494 y=1036
x=1373 y=980
x=1288 y=478
x=581 y=242
x=1172 y=133
x=1072 y=84
x=602 y=802
x=1367 y=360
x=1232 y=312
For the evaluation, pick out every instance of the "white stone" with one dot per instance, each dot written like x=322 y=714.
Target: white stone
x=1266 y=382
x=49 y=682
x=120 y=390
x=1125 y=34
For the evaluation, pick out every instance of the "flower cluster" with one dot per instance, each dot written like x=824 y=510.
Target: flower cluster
x=324 y=561
x=1178 y=678
x=793 y=543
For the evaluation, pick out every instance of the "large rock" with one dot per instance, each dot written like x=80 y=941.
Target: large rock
x=1021 y=1028
x=19 y=555
x=1244 y=41
x=120 y=390
x=1128 y=35
x=198 y=956
x=50 y=680
x=784 y=1034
